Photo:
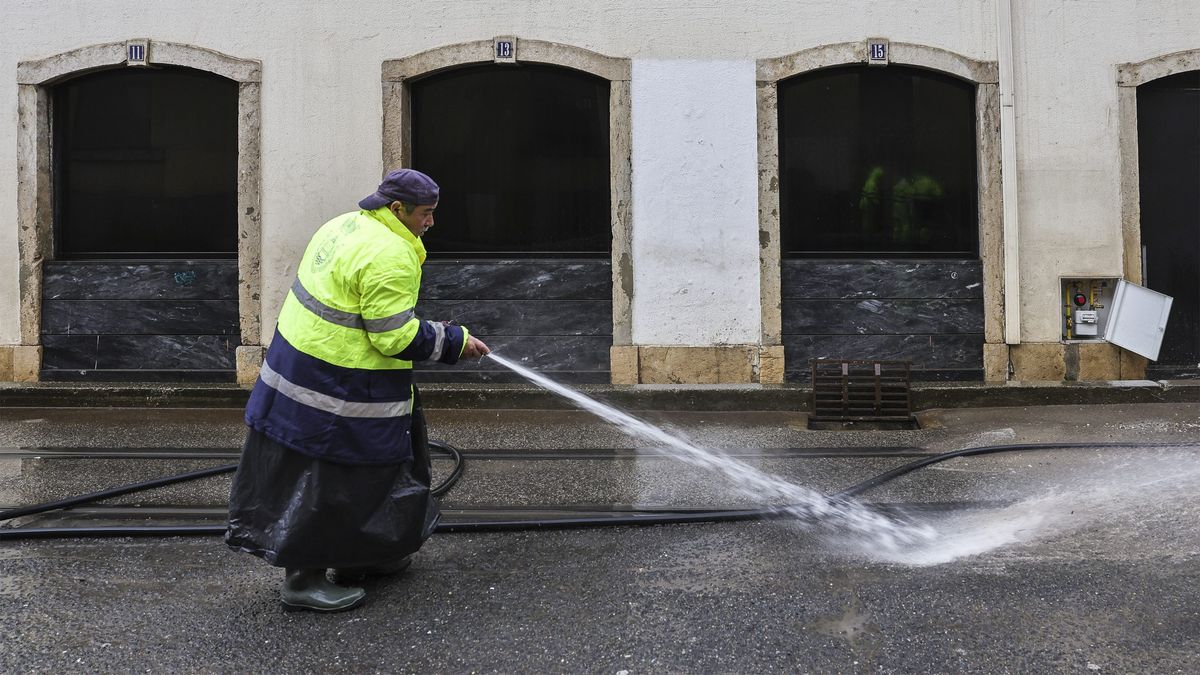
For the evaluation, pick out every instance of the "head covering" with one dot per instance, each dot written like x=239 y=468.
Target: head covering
x=402 y=185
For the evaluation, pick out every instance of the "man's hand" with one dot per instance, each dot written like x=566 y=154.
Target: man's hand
x=475 y=348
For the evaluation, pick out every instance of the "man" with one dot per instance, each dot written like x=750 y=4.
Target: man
x=335 y=469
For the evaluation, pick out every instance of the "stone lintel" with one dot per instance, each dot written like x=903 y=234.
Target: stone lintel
x=112 y=54
x=528 y=51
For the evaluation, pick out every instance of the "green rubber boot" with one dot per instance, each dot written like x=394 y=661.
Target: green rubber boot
x=309 y=589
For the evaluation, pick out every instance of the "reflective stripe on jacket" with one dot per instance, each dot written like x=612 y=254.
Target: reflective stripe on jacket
x=337 y=380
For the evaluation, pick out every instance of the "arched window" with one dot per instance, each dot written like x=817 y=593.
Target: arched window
x=522 y=156
x=878 y=161
x=1168 y=123
x=145 y=164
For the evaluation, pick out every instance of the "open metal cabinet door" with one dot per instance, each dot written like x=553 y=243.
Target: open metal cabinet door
x=1138 y=319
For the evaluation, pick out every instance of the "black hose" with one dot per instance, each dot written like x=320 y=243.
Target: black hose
x=856 y=490
x=114 y=492
x=644 y=518
x=456 y=473
x=68 y=502
x=109 y=531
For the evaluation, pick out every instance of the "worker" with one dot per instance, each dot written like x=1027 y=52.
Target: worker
x=334 y=480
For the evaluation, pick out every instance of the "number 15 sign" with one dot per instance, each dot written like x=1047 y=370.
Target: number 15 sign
x=877 y=51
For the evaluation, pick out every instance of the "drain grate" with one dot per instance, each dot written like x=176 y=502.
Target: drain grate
x=861 y=391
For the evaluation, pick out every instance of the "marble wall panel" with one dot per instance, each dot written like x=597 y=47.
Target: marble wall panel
x=882 y=317
x=552 y=315
x=138 y=352
x=933 y=278
x=960 y=353
x=168 y=279
x=469 y=376
x=156 y=320
x=548 y=354
x=523 y=279
x=523 y=317
x=163 y=376
x=927 y=311
x=140 y=317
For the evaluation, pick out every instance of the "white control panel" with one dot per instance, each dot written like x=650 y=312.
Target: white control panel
x=1114 y=310
x=1085 y=307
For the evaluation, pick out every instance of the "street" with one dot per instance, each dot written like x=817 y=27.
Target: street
x=1069 y=559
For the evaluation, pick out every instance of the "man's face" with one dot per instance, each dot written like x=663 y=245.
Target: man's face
x=418 y=221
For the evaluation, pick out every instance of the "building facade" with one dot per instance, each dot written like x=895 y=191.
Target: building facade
x=632 y=193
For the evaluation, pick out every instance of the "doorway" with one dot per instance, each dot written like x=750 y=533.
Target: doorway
x=522 y=250
x=1168 y=121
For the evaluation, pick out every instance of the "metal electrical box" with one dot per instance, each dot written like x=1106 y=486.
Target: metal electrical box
x=1113 y=310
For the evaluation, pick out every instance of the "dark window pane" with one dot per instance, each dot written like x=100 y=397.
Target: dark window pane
x=877 y=161
x=146 y=164
x=521 y=155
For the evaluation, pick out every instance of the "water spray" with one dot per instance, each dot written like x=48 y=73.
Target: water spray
x=837 y=513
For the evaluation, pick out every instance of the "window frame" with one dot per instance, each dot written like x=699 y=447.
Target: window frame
x=35 y=189
x=985 y=76
x=397 y=143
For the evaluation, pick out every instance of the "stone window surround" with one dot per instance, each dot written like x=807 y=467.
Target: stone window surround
x=35 y=180
x=397 y=134
x=1129 y=77
x=985 y=76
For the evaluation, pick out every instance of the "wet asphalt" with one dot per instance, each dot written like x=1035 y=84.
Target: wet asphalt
x=1072 y=559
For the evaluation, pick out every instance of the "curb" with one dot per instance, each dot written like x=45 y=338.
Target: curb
x=708 y=398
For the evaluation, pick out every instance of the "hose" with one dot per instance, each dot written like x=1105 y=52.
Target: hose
x=855 y=490
x=643 y=518
x=441 y=489
x=455 y=473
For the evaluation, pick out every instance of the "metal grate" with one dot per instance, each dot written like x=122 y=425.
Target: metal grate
x=861 y=391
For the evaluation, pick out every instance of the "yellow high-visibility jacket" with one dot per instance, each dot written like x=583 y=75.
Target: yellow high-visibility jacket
x=336 y=383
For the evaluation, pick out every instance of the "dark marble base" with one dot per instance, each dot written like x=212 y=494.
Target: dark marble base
x=168 y=320
x=925 y=351
x=523 y=317
x=467 y=375
x=536 y=352
x=140 y=317
x=517 y=279
x=550 y=315
x=804 y=279
x=138 y=352
x=804 y=377
x=929 y=312
x=138 y=376
x=140 y=280
x=1163 y=371
x=882 y=317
